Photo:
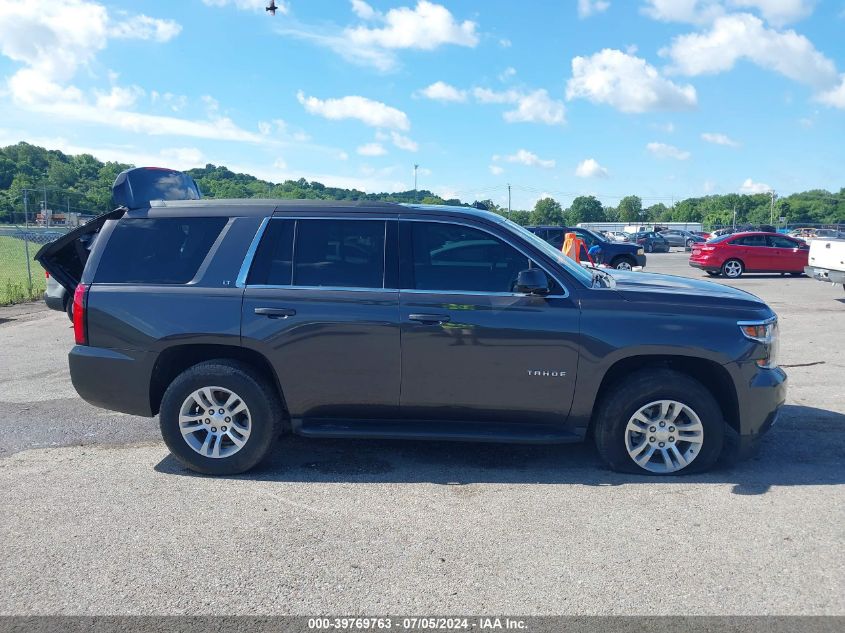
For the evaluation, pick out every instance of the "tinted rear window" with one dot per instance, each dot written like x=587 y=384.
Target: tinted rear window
x=157 y=251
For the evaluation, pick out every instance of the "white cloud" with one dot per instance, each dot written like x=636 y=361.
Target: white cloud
x=143 y=27
x=441 y=91
x=779 y=12
x=119 y=97
x=403 y=142
x=692 y=11
x=586 y=8
x=363 y=10
x=590 y=168
x=668 y=127
x=496 y=170
x=524 y=157
x=743 y=36
x=834 y=97
x=537 y=107
x=627 y=83
x=505 y=43
x=372 y=149
x=749 y=186
x=507 y=74
x=719 y=139
x=663 y=150
x=531 y=107
x=252 y=5
x=369 y=112
x=427 y=26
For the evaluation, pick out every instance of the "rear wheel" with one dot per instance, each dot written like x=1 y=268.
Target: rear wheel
x=732 y=269
x=690 y=243
x=69 y=308
x=219 y=417
x=659 y=422
x=649 y=247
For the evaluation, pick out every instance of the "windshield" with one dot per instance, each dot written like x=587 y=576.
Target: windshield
x=579 y=272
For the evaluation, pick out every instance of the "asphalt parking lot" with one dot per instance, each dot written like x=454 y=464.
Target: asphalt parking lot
x=96 y=518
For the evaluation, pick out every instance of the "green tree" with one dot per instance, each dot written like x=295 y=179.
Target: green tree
x=585 y=209
x=630 y=209
x=547 y=211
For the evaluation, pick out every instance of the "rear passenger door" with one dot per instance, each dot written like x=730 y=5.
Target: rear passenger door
x=321 y=304
x=473 y=349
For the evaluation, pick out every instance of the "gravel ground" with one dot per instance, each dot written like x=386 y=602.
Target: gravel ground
x=96 y=518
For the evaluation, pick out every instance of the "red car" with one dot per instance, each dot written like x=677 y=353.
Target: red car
x=754 y=252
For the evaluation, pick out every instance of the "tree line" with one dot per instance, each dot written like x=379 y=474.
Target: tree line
x=82 y=183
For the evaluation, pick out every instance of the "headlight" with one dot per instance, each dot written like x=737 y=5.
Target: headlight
x=765 y=333
x=640 y=251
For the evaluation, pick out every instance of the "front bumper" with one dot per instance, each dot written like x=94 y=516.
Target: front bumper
x=760 y=395
x=825 y=274
x=641 y=259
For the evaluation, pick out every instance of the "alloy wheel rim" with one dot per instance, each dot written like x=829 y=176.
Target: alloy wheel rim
x=733 y=269
x=664 y=436
x=623 y=266
x=215 y=422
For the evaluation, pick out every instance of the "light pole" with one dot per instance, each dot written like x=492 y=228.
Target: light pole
x=415 y=181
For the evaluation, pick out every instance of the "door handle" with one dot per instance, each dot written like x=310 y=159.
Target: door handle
x=430 y=319
x=275 y=313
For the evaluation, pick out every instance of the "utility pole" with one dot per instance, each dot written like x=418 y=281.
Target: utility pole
x=772 y=212
x=25 y=209
x=415 y=181
x=509 y=200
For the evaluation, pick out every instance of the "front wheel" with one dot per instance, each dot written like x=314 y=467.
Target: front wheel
x=219 y=417
x=659 y=422
x=649 y=248
x=623 y=263
x=732 y=269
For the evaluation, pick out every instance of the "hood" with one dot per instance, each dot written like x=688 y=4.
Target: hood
x=638 y=286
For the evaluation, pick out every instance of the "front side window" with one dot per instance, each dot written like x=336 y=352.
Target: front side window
x=775 y=241
x=452 y=257
x=330 y=253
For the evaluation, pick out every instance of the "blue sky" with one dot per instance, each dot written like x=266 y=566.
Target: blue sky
x=661 y=98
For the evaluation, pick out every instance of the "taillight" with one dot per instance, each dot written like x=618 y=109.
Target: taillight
x=46 y=275
x=80 y=319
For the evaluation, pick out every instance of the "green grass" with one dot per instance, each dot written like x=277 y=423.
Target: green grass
x=14 y=281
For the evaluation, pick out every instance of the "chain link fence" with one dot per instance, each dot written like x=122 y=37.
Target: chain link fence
x=21 y=277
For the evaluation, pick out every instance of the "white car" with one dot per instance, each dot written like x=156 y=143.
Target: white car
x=826 y=261
x=618 y=236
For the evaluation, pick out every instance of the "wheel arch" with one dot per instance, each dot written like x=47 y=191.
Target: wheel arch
x=711 y=374
x=175 y=359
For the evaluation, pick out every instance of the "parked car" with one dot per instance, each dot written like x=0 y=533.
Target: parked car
x=234 y=319
x=679 y=237
x=739 y=253
x=826 y=261
x=619 y=236
x=652 y=242
x=56 y=297
x=622 y=256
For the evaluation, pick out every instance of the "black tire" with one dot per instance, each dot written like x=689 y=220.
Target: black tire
x=690 y=243
x=623 y=263
x=727 y=267
x=259 y=396
x=69 y=308
x=713 y=273
x=796 y=274
x=641 y=388
x=649 y=248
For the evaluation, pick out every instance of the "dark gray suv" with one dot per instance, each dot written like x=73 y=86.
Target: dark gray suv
x=235 y=320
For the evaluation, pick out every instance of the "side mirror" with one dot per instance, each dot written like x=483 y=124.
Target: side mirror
x=532 y=282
